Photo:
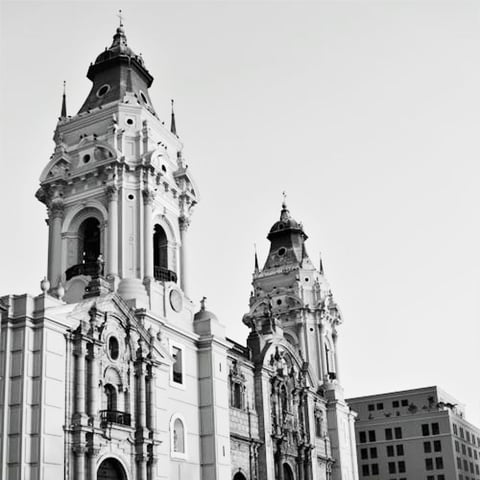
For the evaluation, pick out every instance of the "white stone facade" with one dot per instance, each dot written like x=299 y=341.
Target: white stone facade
x=110 y=373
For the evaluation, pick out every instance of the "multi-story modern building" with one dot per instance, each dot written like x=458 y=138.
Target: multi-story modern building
x=419 y=434
x=110 y=373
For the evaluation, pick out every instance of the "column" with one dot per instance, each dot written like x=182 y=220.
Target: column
x=55 y=241
x=79 y=378
x=141 y=400
x=93 y=380
x=184 y=224
x=112 y=243
x=92 y=463
x=322 y=350
x=152 y=399
x=79 y=451
x=337 y=370
x=148 y=198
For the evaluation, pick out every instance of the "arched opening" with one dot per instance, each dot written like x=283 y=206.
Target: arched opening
x=89 y=233
x=239 y=476
x=330 y=360
x=161 y=269
x=111 y=469
x=284 y=399
x=87 y=250
x=178 y=436
x=287 y=472
x=111 y=397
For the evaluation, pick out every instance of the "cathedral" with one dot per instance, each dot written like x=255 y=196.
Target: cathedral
x=112 y=372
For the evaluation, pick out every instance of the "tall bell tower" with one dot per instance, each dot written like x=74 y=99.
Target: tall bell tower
x=292 y=310
x=118 y=192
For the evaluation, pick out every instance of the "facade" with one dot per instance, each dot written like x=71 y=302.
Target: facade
x=419 y=434
x=110 y=373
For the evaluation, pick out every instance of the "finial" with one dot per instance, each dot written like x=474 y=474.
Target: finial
x=120 y=17
x=63 y=112
x=173 y=126
x=256 y=258
x=321 y=265
x=284 y=202
x=202 y=303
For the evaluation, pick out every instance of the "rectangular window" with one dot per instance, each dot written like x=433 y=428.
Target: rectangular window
x=468 y=435
x=439 y=463
x=388 y=434
x=427 y=447
x=398 y=432
x=457 y=446
x=392 y=468
x=390 y=452
x=430 y=477
x=374 y=468
x=365 y=471
x=429 y=464
x=437 y=446
x=435 y=429
x=465 y=465
x=470 y=452
x=401 y=467
x=363 y=453
x=405 y=403
x=455 y=429
x=461 y=432
x=459 y=463
x=400 y=450
x=371 y=407
x=362 y=437
x=177 y=366
x=425 y=429
x=464 y=449
x=395 y=404
x=371 y=435
x=380 y=406
x=373 y=452
x=441 y=477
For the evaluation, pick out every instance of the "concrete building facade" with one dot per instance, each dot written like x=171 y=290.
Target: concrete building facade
x=419 y=434
x=111 y=373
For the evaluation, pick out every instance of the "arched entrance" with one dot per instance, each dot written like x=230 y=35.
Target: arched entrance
x=111 y=469
x=287 y=472
x=89 y=233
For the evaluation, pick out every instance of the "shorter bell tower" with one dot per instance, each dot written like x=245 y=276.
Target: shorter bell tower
x=118 y=192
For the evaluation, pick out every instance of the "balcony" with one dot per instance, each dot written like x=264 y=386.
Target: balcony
x=164 y=275
x=114 y=416
x=89 y=268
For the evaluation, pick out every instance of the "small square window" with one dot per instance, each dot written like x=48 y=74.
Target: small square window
x=371 y=407
x=441 y=477
x=395 y=404
x=379 y=406
x=405 y=403
x=430 y=477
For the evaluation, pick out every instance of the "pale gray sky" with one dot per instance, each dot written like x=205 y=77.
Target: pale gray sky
x=366 y=113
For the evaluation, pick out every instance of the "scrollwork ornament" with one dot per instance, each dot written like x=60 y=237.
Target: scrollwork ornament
x=148 y=196
x=111 y=191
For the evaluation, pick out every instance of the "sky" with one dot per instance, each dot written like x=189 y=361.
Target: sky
x=365 y=112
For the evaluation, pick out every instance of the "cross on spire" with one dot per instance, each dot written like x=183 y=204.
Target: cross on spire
x=120 y=17
x=284 y=203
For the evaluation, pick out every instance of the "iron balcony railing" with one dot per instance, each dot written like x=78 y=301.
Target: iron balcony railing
x=114 y=416
x=164 y=274
x=88 y=268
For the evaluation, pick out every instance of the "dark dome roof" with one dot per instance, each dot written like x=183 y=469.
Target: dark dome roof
x=118 y=48
x=286 y=222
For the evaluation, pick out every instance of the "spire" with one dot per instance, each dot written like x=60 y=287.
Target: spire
x=321 y=265
x=63 y=113
x=285 y=214
x=173 y=127
x=256 y=259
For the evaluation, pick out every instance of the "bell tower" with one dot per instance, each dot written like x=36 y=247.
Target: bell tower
x=118 y=192
x=292 y=310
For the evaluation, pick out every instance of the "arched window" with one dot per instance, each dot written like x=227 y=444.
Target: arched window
x=161 y=270
x=89 y=233
x=178 y=437
x=111 y=469
x=111 y=397
x=239 y=476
